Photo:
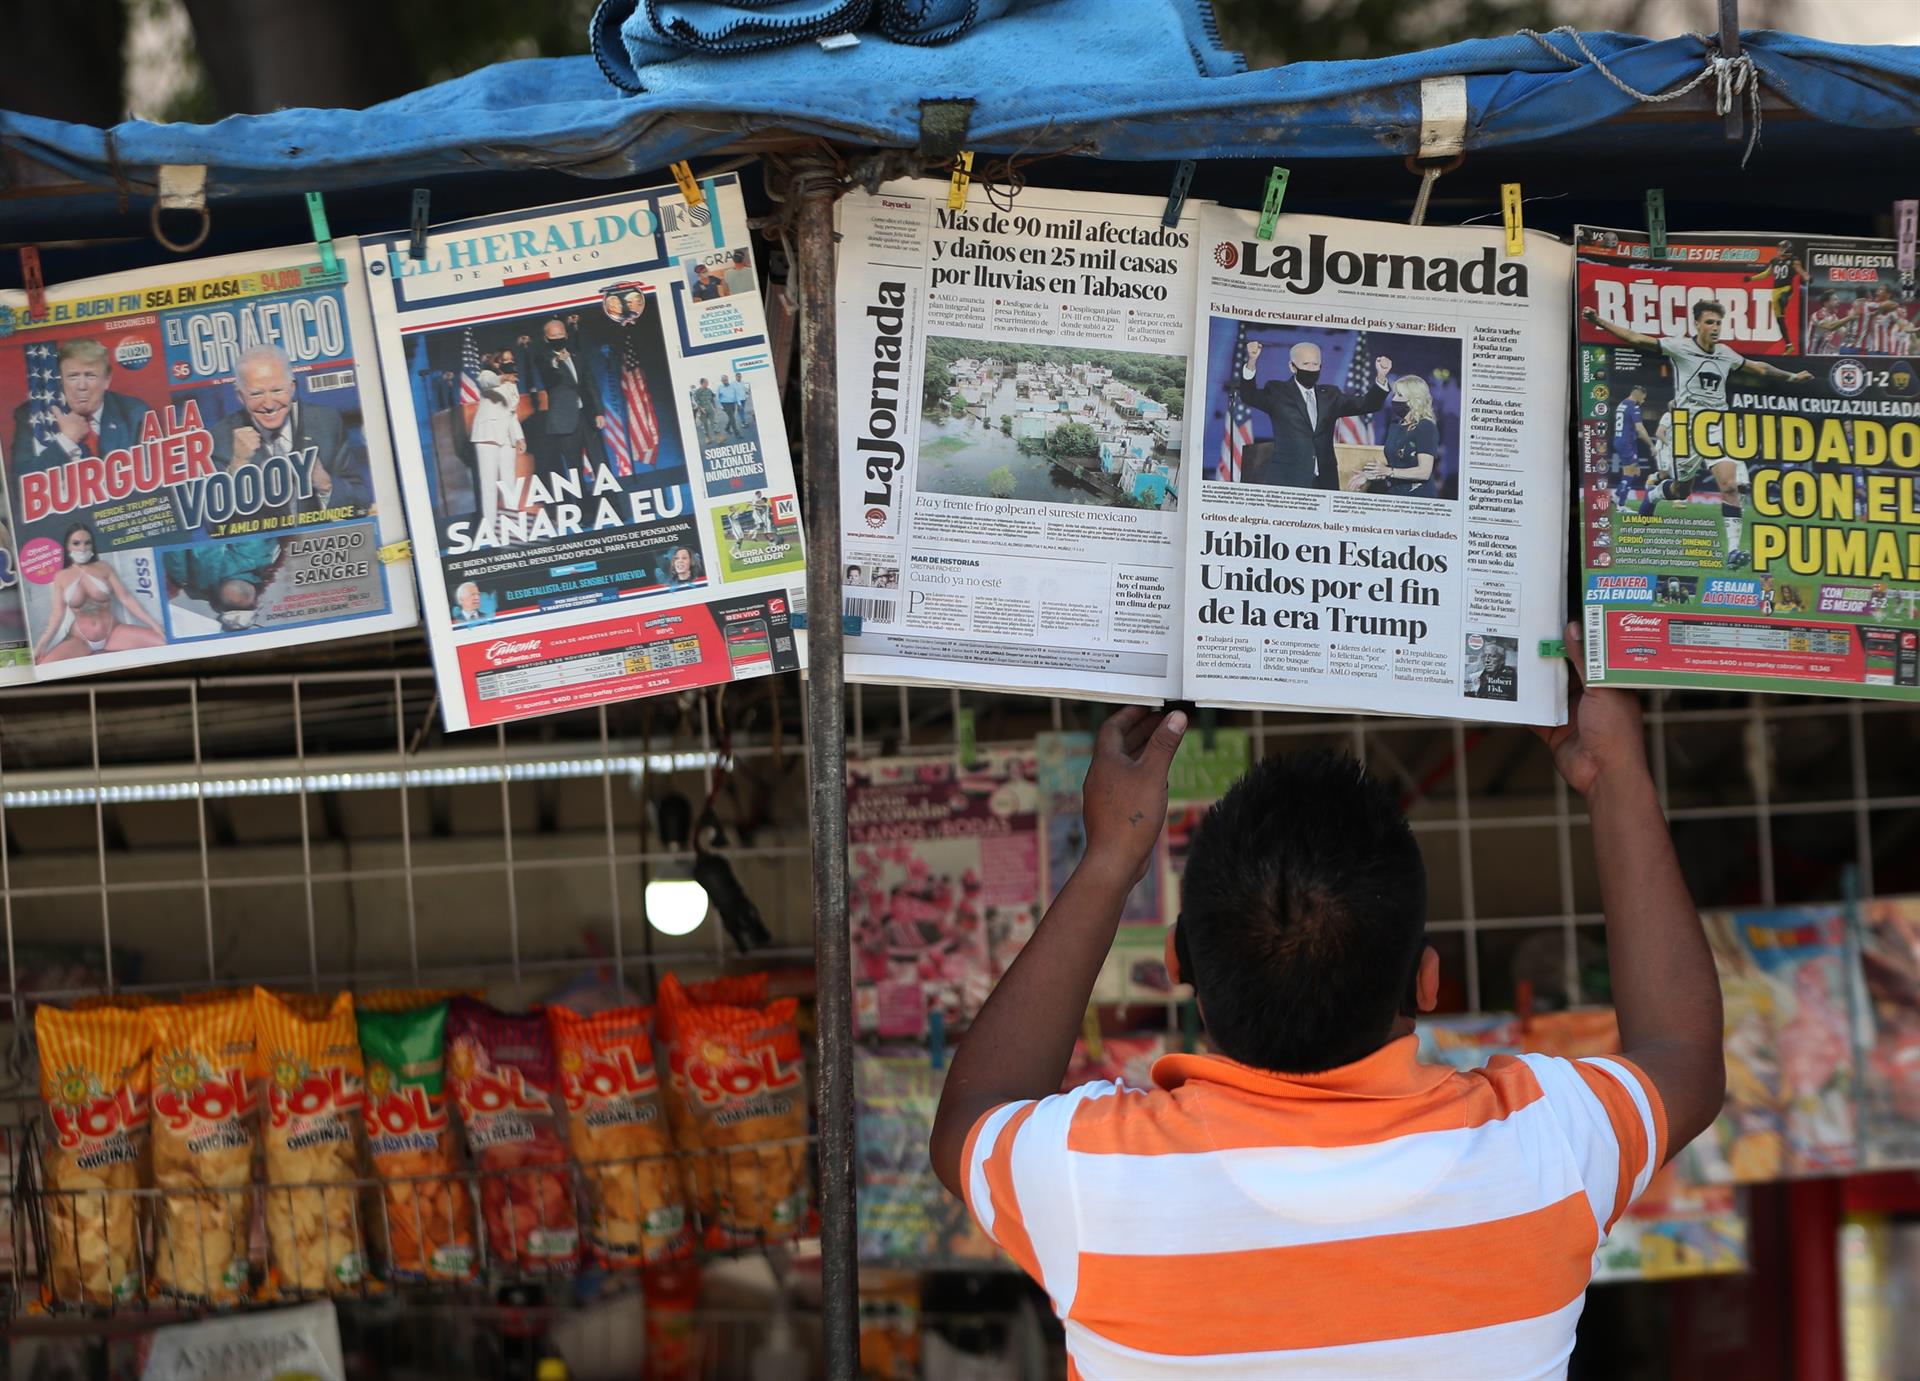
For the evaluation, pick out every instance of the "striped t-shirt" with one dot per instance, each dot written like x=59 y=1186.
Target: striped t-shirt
x=1385 y=1219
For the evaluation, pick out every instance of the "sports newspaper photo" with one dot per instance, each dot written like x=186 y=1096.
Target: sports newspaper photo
x=197 y=464
x=1376 y=444
x=592 y=450
x=1749 y=446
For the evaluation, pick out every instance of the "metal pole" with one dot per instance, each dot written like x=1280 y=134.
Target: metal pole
x=1730 y=48
x=813 y=189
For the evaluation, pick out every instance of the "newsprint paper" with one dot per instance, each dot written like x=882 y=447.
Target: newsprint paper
x=1013 y=386
x=1376 y=512
x=591 y=446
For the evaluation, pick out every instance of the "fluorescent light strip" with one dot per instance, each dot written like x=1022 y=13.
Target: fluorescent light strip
x=472 y=774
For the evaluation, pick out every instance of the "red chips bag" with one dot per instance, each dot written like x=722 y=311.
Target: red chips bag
x=506 y=1083
x=617 y=1130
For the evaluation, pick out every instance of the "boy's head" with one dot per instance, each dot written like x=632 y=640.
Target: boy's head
x=1303 y=916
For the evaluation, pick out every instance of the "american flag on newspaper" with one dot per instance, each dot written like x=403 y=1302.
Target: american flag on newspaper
x=469 y=370
x=633 y=427
x=1357 y=431
x=1239 y=431
x=43 y=392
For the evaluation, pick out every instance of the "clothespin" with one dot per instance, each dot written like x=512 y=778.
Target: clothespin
x=1906 y=225
x=689 y=185
x=1177 y=196
x=1510 y=217
x=1270 y=204
x=1656 y=223
x=1553 y=647
x=937 y=1040
x=417 y=224
x=322 y=236
x=965 y=740
x=1090 y=1033
x=962 y=175
x=33 y=279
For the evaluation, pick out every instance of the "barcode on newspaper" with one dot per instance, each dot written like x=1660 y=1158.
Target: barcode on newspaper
x=797 y=602
x=870 y=610
x=1596 y=641
x=333 y=378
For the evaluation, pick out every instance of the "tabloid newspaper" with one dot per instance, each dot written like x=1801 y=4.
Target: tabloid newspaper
x=1012 y=388
x=1376 y=512
x=591 y=445
x=197 y=464
x=1749 y=436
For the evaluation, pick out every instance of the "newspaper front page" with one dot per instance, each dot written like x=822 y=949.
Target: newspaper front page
x=1377 y=514
x=1749 y=435
x=197 y=464
x=1013 y=389
x=591 y=444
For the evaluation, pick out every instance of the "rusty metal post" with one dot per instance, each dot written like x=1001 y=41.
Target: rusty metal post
x=814 y=187
x=1729 y=49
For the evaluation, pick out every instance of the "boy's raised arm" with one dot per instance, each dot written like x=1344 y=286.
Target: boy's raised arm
x=1665 y=990
x=1019 y=1045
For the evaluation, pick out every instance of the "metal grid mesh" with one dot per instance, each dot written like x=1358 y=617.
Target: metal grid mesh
x=316 y=830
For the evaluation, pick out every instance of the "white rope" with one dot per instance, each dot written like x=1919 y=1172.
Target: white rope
x=1732 y=76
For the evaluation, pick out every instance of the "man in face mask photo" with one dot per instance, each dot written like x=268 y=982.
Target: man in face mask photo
x=568 y=400
x=1303 y=411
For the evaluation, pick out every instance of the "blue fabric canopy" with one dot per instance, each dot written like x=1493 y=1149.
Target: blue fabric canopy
x=1141 y=81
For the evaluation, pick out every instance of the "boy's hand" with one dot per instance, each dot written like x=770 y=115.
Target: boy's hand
x=1602 y=737
x=1124 y=801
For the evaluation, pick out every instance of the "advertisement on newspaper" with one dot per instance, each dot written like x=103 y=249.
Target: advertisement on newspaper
x=1749 y=435
x=591 y=447
x=1888 y=1007
x=1377 y=446
x=198 y=464
x=1013 y=391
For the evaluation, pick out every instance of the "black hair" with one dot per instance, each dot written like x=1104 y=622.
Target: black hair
x=1708 y=304
x=66 y=557
x=1303 y=915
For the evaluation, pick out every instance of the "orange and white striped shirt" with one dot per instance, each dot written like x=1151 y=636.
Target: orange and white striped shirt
x=1384 y=1219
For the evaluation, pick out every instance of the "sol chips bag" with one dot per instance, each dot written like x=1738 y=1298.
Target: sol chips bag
x=507 y=1086
x=94 y=1081
x=203 y=1142
x=734 y=1081
x=307 y=1050
x=613 y=1115
x=427 y=1215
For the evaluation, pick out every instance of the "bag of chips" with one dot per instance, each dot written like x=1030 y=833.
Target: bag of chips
x=94 y=1082
x=308 y=1052
x=735 y=1082
x=204 y=1101
x=407 y=999
x=506 y=1084
x=425 y=1226
x=618 y=1132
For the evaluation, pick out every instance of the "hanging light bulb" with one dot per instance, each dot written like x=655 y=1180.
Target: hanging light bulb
x=676 y=905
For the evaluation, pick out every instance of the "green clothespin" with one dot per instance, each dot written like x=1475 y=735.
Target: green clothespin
x=1270 y=204
x=965 y=739
x=1553 y=647
x=322 y=236
x=1656 y=223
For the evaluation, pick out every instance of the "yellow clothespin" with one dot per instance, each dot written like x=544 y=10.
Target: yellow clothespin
x=962 y=174
x=689 y=184
x=1510 y=216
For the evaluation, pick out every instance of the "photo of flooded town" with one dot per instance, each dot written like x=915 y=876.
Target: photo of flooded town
x=1052 y=424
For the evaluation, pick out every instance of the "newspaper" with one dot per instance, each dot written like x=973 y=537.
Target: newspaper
x=1378 y=463
x=1749 y=428
x=1887 y=1007
x=1013 y=384
x=197 y=464
x=904 y=1217
x=591 y=444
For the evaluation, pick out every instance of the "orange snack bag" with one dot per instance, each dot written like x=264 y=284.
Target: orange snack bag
x=204 y=1100
x=426 y=1227
x=612 y=1093
x=735 y=1079
x=94 y=1081
x=307 y=1050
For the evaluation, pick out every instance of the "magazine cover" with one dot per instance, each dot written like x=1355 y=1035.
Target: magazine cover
x=943 y=885
x=1749 y=423
x=593 y=454
x=197 y=464
x=905 y=1215
x=1378 y=457
x=1789 y=1047
x=1890 y=1031
x=1013 y=385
